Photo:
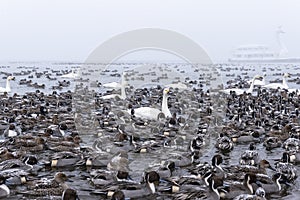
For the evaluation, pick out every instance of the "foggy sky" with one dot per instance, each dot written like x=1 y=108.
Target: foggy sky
x=53 y=30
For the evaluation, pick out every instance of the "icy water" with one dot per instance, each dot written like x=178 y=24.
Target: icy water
x=168 y=73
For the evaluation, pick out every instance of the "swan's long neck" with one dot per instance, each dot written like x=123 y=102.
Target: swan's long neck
x=164 y=106
x=250 y=90
x=123 y=93
x=264 y=80
x=284 y=83
x=8 y=85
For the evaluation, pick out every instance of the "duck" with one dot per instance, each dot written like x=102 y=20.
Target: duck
x=146 y=188
x=7 y=88
x=286 y=168
x=119 y=162
x=65 y=159
x=100 y=177
x=118 y=195
x=235 y=189
x=26 y=164
x=260 y=169
x=4 y=190
x=239 y=91
x=272 y=142
x=193 y=189
x=59 y=130
x=294 y=156
x=12 y=131
x=275 y=186
x=260 y=194
x=291 y=144
x=44 y=187
x=152 y=180
x=282 y=85
x=153 y=113
x=224 y=143
x=69 y=194
x=197 y=143
x=250 y=157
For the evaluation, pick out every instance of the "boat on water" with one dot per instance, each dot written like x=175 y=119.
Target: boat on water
x=262 y=53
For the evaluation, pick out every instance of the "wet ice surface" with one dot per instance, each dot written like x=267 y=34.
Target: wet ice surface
x=140 y=162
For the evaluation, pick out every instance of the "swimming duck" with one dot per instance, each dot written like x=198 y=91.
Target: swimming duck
x=152 y=180
x=101 y=178
x=55 y=187
x=292 y=144
x=260 y=194
x=286 y=168
x=59 y=130
x=224 y=143
x=261 y=169
x=197 y=143
x=119 y=162
x=272 y=142
x=5 y=154
x=118 y=195
x=275 y=186
x=66 y=159
x=4 y=190
x=250 y=157
x=146 y=189
x=69 y=194
x=235 y=189
x=12 y=131
x=26 y=164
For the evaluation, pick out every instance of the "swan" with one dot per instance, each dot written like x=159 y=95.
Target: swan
x=7 y=88
x=259 y=82
x=282 y=85
x=123 y=93
x=112 y=85
x=239 y=91
x=71 y=75
x=153 y=113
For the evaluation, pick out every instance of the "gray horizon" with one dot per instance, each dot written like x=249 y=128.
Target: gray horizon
x=70 y=30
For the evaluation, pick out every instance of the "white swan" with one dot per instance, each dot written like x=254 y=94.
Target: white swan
x=123 y=93
x=112 y=85
x=259 y=82
x=282 y=85
x=7 y=88
x=153 y=113
x=239 y=91
x=73 y=74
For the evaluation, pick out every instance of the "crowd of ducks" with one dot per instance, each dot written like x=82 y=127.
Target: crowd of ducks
x=43 y=155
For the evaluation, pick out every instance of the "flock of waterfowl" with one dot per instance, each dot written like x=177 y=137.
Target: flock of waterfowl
x=177 y=140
